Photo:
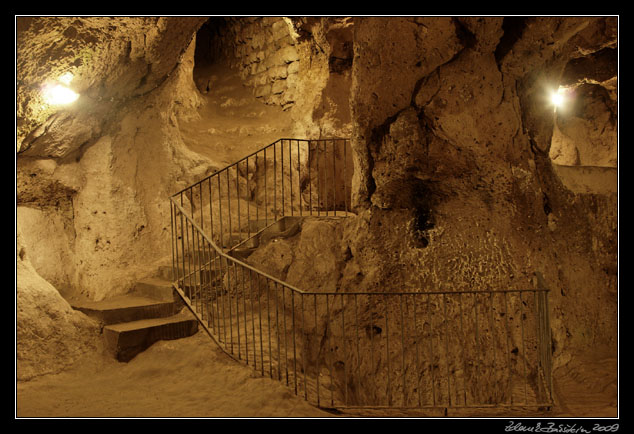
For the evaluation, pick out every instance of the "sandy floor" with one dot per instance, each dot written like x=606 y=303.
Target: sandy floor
x=233 y=123
x=192 y=377
x=183 y=378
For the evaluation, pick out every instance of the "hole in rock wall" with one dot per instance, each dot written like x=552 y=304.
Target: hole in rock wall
x=584 y=146
x=239 y=75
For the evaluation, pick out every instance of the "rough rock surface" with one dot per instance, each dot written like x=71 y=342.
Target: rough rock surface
x=51 y=336
x=481 y=206
x=106 y=191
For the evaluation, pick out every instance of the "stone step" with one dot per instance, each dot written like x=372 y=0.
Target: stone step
x=125 y=340
x=127 y=308
x=156 y=288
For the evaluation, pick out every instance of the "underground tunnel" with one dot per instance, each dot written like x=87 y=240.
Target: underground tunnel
x=316 y=216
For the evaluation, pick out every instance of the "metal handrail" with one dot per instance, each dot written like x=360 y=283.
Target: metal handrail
x=227 y=257
x=311 y=325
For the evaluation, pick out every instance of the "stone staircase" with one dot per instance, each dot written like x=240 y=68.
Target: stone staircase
x=131 y=323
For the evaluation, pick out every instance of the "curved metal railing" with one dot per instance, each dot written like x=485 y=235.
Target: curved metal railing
x=345 y=350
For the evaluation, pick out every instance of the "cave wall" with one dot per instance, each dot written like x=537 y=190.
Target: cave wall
x=453 y=183
x=93 y=177
x=102 y=168
x=263 y=51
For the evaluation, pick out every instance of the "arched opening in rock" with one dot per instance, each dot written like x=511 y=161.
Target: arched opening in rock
x=584 y=142
x=242 y=69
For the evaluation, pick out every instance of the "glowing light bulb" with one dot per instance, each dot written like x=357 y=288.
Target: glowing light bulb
x=58 y=94
x=558 y=98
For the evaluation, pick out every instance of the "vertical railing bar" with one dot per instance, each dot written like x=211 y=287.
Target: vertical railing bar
x=182 y=286
x=464 y=360
x=172 y=240
x=403 y=352
x=334 y=177
x=230 y=306
x=201 y=266
x=183 y=235
x=266 y=211
x=237 y=300
x=222 y=234
x=294 y=345
x=191 y=205
x=268 y=309
x=299 y=181
x=192 y=263
x=431 y=350
x=217 y=272
x=345 y=177
x=197 y=276
x=210 y=280
x=343 y=344
x=275 y=213
x=255 y=363
x=310 y=183
x=202 y=219
x=246 y=327
x=283 y=192
x=318 y=372
x=254 y=194
x=238 y=200
x=189 y=260
x=210 y=313
x=248 y=201
x=230 y=241
x=523 y=349
x=223 y=300
x=290 y=172
x=444 y=300
x=211 y=211
x=420 y=402
x=318 y=147
x=201 y=270
x=356 y=322
x=387 y=352
x=260 y=323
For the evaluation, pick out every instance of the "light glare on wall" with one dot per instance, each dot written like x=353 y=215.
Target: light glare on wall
x=58 y=94
x=66 y=78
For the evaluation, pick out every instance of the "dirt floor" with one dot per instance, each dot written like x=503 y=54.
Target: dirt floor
x=188 y=377
x=232 y=123
x=193 y=378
